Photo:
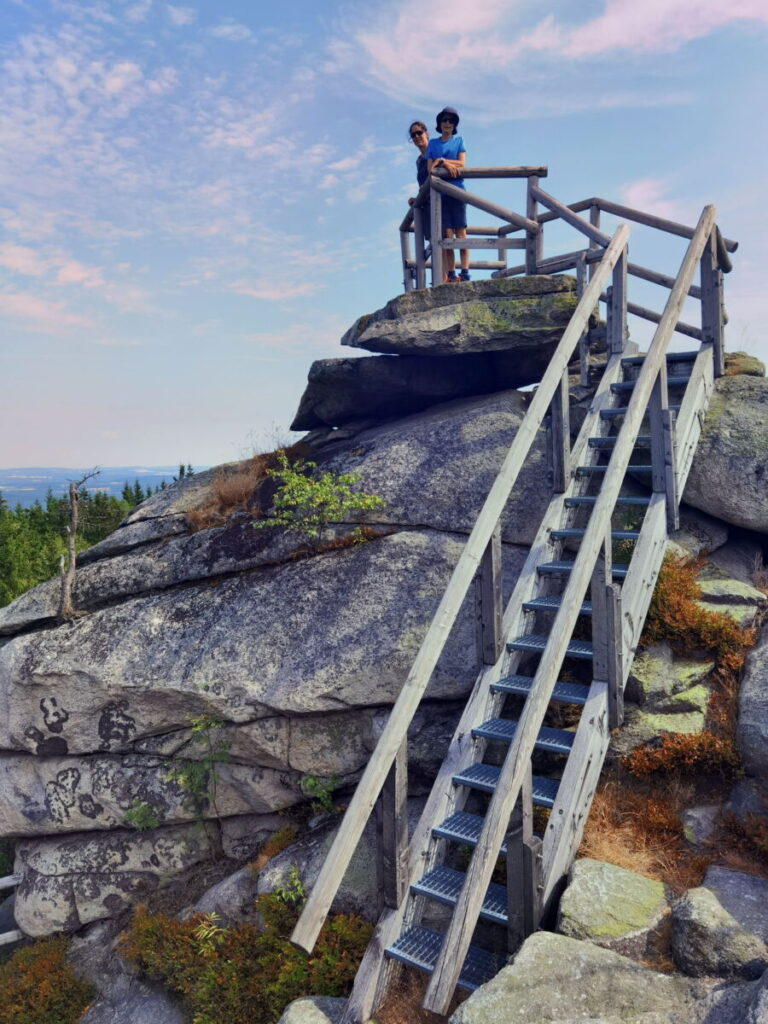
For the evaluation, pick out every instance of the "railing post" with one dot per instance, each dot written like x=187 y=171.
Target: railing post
x=663 y=458
x=617 y=302
x=405 y=249
x=488 y=601
x=581 y=283
x=594 y=220
x=436 y=230
x=560 y=437
x=712 y=319
x=534 y=243
x=523 y=870
x=606 y=633
x=392 y=833
x=418 y=237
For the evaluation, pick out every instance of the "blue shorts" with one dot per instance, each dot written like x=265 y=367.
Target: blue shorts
x=454 y=213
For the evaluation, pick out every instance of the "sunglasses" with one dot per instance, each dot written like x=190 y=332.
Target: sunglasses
x=448 y=120
x=415 y=135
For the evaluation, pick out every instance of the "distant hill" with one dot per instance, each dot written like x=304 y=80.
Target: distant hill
x=24 y=485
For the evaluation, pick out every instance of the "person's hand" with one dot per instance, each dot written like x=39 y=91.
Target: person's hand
x=453 y=170
x=411 y=200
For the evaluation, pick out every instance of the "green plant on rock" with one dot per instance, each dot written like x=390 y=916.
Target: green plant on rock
x=198 y=777
x=141 y=816
x=292 y=894
x=308 y=501
x=320 y=792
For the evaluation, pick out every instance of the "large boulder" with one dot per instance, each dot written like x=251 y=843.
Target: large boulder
x=314 y=1010
x=519 y=313
x=743 y=896
x=729 y=474
x=558 y=980
x=613 y=908
x=752 y=729
x=708 y=941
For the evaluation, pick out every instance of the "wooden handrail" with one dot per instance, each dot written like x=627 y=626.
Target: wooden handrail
x=484 y=204
x=319 y=902
x=466 y=911
x=593 y=233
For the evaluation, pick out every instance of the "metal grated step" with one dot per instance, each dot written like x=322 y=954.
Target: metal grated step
x=563 y=693
x=444 y=885
x=586 y=470
x=536 y=643
x=485 y=776
x=419 y=947
x=608 y=414
x=554 y=741
x=672 y=357
x=563 y=568
x=621 y=386
x=552 y=604
x=591 y=499
x=603 y=443
x=574 y=534
x=463 y=827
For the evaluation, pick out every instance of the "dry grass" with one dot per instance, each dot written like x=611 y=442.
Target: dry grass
x=273 y=845
x=403 y=1004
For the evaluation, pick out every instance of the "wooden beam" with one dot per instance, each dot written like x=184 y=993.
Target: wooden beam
x=570 y=217
x=581 y=281
x=651 y=221
x=419 y=243
x=617 y=335
x=688 y=425
x=436 y=232
x=560 y=437
x=392 y=833
x=500 y=172
x=712 y=332
x=9 y=882
x=534 y=249
x=467 y=909
x=523 y=871
x=483 y=243
x=488 y=601
x=316 y=909
x=483 y=204
x=663 y=279
x=654 y=317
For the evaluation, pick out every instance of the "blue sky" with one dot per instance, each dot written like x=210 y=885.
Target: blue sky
x=196 y=200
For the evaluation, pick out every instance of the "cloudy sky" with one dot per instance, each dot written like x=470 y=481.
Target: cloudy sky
x=196 y=200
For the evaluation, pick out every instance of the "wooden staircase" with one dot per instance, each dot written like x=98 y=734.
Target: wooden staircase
x=506 y=813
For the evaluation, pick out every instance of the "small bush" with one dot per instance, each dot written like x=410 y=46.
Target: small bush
x=679 y=752
x=275 y=844
x=242 y=975
x=37 y=986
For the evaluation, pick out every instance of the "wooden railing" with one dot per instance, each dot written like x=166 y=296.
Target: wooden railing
x=10 y=882
x=386 y=768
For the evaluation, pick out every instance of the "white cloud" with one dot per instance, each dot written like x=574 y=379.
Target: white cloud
x=649 y=195
x=21 y=260
x=273 y=291
x=74 y=272
x=40 y=314
x=232 y=31
x=138 y=12
x=181 y=15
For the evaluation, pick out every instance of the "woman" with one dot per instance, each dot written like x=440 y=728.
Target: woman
x=449 y=152
x=419 y=136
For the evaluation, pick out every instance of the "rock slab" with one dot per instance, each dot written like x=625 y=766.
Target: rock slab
x=708 y=941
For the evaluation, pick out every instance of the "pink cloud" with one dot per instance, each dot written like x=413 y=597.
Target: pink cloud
x=72 y=272
x=41 y=314
x=648 y=194
x=273 y=291
x=21 y=260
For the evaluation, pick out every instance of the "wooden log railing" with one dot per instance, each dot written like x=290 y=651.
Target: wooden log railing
x=517 y=761
x=394 y=734
x=10 y=882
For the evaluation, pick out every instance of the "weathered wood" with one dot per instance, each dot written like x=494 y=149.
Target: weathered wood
x=583 y=204
x=712 y=305
x=581 y=282
x=567 y=214
x=723 y=259
x=554 y=264
x=670 y=470
x=654 y=317
x=690 y=418
x=501 y=172
x=663 y=279
x=436 y=233
x=361 y=804
x=606 y=634
x=8 y=937
x=483 y=243
x=459 y=933
x=575 y=792
x=405 y=251
x=474 y=229
x=483 y=204
x=523 y=870
x=618 y=305
x=392 y=833
x=533 y=240
x=560 y=437
x=419 y=244
x=473 y=264
x=9 y=882
x=652 y=221
x=658 y=404
x=637 y=589
x=488 y=601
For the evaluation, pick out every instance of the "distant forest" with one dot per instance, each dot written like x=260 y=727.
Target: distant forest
x=33 y=539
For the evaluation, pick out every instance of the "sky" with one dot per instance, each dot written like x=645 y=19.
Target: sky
x=198 y=199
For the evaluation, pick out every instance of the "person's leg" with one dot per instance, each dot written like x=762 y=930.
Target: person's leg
x=463 y=253
x=449 y=259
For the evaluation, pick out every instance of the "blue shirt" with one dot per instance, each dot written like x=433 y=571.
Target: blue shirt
x=448 y=150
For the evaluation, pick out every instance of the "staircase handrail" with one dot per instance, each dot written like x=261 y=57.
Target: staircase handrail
x=478 y=875
x=367 y=791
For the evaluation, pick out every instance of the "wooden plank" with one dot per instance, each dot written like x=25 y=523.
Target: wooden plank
x=392 y=833
x=346 y=840
x=712 y=305
x=651 y=221
x=504 y=172
x=637 y=589
x=560 y=437
x=670 y=470
x=583 y=204
x=690 y=419
x=405 y=252
x=467 y=909
x=570 y=217
x=7 y=937
x=483 y=204
x=533 y=246
x=618 y=305
x=554 y=264
x=574 y=795
x=9 y=882
x=663 y=279
x=723 y=260
x=649 y=314
x=658 y=404
x=436 y=232
x=473 y=264
x=522 y=880
x=419 y=244
x=489 y=609
x=581 y=282
x=483 y=243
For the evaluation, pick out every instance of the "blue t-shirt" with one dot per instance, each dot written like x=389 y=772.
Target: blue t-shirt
x=449 y=151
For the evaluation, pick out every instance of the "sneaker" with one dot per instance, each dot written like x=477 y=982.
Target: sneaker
x=450 y=277
x=464 y=276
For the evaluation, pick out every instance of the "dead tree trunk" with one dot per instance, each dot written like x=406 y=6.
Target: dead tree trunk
x=68 y=561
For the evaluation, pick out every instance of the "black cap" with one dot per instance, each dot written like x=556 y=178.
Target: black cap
x=448 y=110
